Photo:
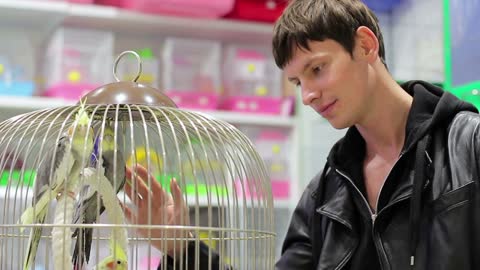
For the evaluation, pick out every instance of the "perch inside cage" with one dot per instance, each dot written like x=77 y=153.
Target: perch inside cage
x=125 y=179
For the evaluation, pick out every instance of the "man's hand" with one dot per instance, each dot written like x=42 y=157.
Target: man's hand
x=165 y=209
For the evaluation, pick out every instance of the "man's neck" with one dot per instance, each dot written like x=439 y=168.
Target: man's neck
x=383 y=127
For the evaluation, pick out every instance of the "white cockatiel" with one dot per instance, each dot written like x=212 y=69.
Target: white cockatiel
x=57 y=177
x=111 y=167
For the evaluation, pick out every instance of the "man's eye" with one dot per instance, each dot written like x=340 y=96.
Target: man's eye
x=316 y=70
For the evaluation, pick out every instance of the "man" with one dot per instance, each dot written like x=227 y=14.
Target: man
x=401 y=189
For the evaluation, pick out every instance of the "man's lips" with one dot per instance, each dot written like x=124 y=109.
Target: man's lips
x=325 y=108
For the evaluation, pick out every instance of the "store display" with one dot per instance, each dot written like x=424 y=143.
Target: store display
x=188 y=8
x=252 y=82
x=16 y=63
x=77 y=61
x=273 y=145
x=191 y=72
x=257 y=10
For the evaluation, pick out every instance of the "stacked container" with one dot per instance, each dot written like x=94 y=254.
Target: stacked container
x=257 y=10
x=72 y=1
x=273 y=145
x=191 y=72
x=190 y=8
x=16 y=63
x=77 y=61
x=253 y=82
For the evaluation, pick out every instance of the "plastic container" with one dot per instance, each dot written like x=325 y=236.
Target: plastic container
x=17 y=64
x=257 y=10
x=77 y=61
x=273 y=145
x=71 y=1
x=81 y=1
x=252 y=82
x=189 y=8
x=273 y=148
x=382 y=5
x=115 y=3
x=191 y=72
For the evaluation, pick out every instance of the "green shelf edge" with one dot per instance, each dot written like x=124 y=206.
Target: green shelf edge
x=190 y=189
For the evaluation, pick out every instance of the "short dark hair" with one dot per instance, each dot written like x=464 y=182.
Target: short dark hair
x=318 y=20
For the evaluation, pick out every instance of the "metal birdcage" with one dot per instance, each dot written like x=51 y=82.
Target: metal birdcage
x=228 y=213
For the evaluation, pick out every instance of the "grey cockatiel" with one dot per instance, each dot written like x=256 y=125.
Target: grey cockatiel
x=88 y=210
x=57 y=172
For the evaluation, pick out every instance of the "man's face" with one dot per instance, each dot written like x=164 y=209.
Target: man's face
x=332 y=82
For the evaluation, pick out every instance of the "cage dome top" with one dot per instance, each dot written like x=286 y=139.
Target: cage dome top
x=124 y=92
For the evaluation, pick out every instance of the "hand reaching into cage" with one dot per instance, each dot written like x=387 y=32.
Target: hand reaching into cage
x=165 y=209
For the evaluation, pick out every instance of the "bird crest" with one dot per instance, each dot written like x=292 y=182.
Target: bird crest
x=81 y=117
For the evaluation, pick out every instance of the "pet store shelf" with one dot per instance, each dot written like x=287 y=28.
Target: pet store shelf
x=38 y=13
x=253 y=119
x=31 y=103
x=116 y=19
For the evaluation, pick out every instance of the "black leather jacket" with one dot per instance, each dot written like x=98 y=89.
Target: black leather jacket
x=322 y=234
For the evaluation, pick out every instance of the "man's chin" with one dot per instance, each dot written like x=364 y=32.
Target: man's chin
x=338 y=124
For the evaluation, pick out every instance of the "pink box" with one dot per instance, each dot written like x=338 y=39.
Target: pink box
x=253 y=104
x=194 y=99
x=280 y=189
x=190 y=8
x=115 y=3
x=81 y=1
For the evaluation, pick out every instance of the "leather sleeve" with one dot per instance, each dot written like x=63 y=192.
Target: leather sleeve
x=189 y=260
x=297 y=246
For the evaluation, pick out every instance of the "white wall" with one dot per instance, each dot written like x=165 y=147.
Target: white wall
x=416 y=41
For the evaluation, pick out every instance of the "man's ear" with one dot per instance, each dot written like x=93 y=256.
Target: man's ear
x=366 y=44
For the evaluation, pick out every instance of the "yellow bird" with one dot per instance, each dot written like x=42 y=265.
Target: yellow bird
x=116 y=261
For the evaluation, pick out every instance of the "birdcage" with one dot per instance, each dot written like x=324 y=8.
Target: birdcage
x=91 y=186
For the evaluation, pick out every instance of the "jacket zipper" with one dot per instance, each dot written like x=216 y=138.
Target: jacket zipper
x=375 y=214
x=384 y=180
x=408 y=195
x=372 y=215
x=376 y=238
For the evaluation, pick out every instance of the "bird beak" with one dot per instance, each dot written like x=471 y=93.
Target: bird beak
x=111 y=265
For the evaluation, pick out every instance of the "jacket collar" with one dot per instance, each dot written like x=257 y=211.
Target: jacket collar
x=338 y=202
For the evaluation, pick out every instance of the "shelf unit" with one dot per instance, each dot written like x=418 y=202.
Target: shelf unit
x=41 y=13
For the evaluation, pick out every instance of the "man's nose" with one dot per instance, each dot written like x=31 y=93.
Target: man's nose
x=309 y=93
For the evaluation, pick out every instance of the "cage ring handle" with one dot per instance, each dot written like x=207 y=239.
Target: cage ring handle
x=139 y=67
